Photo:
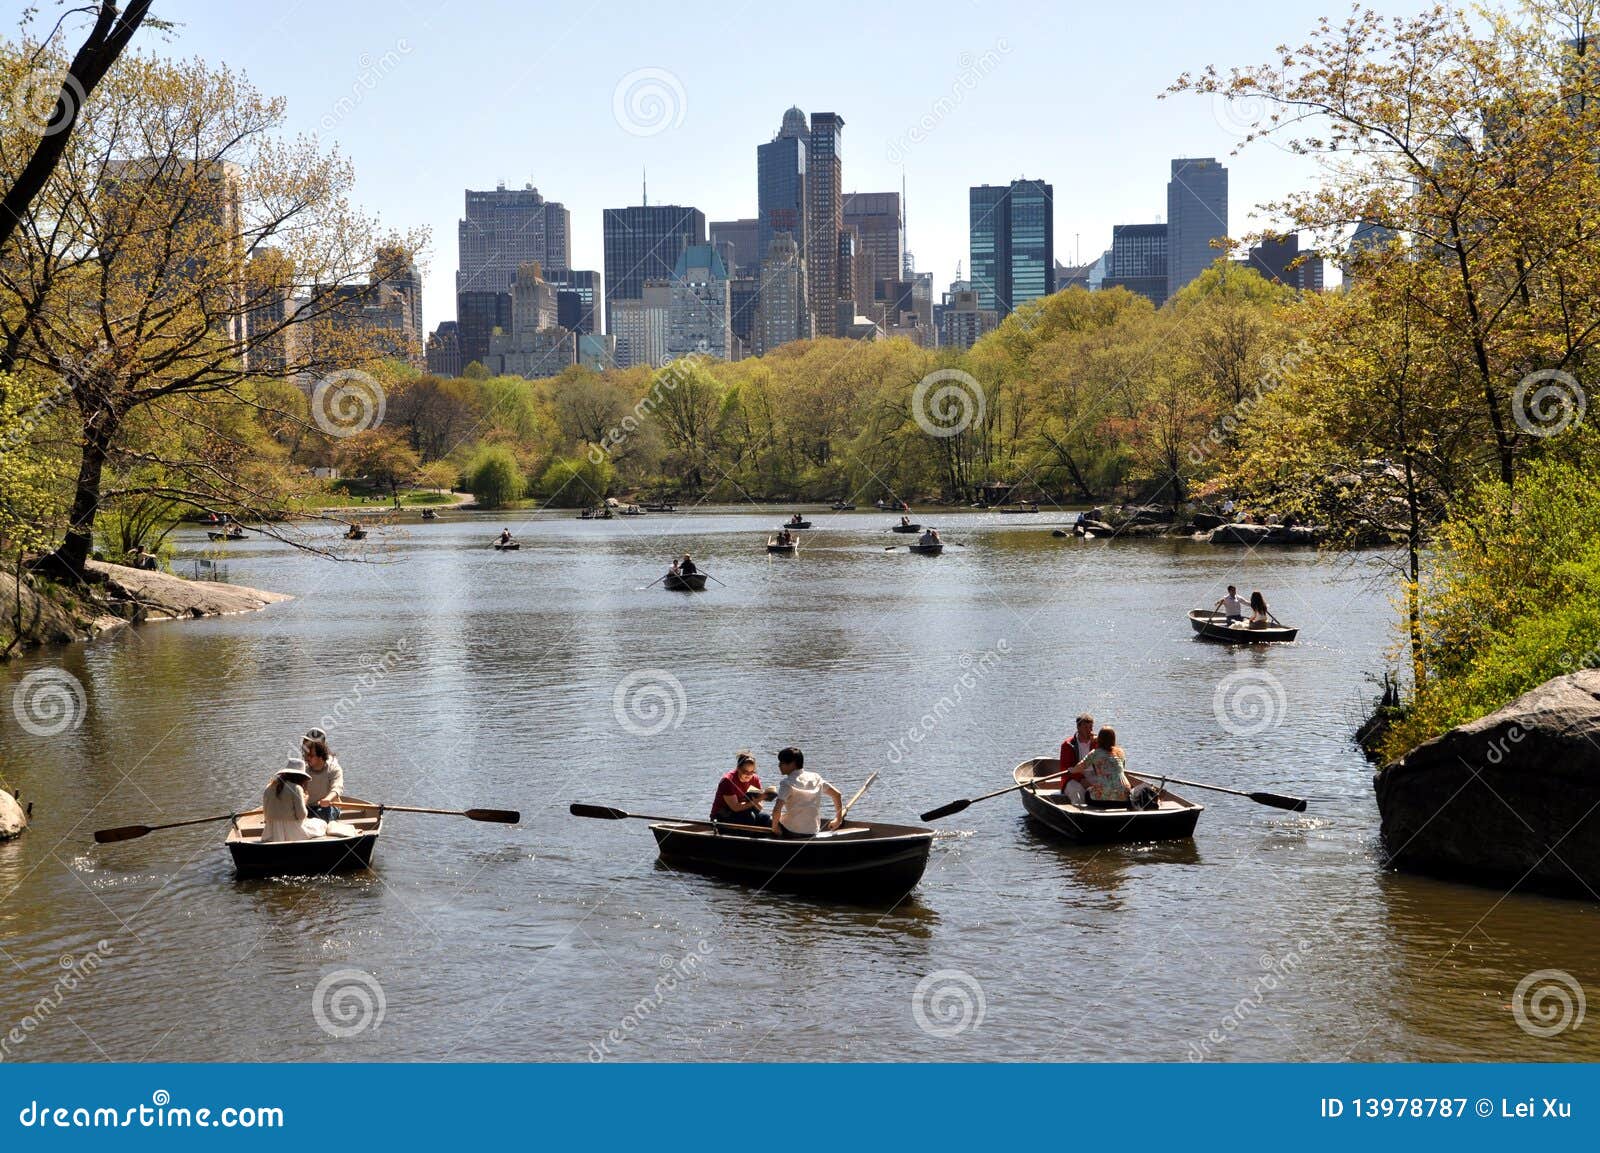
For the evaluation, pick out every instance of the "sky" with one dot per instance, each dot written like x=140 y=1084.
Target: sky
x=430 y=97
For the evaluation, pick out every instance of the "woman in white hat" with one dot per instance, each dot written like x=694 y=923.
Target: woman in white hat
x=283 y=806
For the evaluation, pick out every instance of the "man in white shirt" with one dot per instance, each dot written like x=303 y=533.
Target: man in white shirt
x=326 y=783
x=1233 y=606
x=797 y=812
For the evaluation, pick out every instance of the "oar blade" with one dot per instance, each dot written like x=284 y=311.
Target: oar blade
x=125 y=833
x=598 y=812
x=1278 y=801
x=500 y=816
x=949 y=810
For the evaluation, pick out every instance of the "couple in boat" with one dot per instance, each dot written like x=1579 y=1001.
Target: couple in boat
x=929 y=536
x=797 y=807
x=302 y=799
x=685 y=567
x=1096 y=771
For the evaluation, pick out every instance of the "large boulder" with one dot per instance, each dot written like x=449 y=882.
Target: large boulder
x=1512 y=798
x=12 y=819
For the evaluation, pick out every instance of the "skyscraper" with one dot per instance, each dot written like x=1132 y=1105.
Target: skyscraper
x=699 y=315
x=741 y=240
x=781 y=184
x=1138 y=261
x=1012 y=243
x=644 y=242
x=1197 y=214
x=782 y=303
x=877 y=219
x=506 y=228
x=824 y=218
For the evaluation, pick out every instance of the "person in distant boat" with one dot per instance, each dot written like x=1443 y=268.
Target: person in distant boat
x=1101 y=777
x=674 y=570
x=1076 y=747
x=687 y=566
x=797 y=811
x=283 y=806
x=1260 y=616
x=1232 y=606
x=905 y=522
x=738 y=797
x=505 y=536
x=929 y=536
x=796 y=519
x=326 y=783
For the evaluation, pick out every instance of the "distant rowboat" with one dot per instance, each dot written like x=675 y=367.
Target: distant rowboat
x=225 y=535
x=1015 y=509
x=507 y=546
x=928 y=549
x=1214 y=626
x=906 y=528
x=785 y=549
x=684 y=582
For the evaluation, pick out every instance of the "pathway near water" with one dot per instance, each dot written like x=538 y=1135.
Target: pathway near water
x=453 y=675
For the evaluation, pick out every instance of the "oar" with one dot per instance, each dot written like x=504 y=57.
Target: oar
x=607 y=813
x=133 y=832
x=497 y=816
x=959 y=806
x=845 y=812
x=655 y=582
x=1276 y=800
x=709 y=576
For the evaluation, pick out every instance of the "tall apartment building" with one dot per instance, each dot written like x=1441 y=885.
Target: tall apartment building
x=1197 y=214
x=537 y=346
x=1279 y=259
x=738 y=241
x=700 y=312
x=580 y=299
x=824 y=218
x=503 y=229
x=781 y=312
x=1012 y=243
x=479 y=316
x=444 y=350
x=640 y=326
x=273 y=341
x=643 y=243
x=880 y=230
x=966 y=320
x=1138 y=261
x=781 y=184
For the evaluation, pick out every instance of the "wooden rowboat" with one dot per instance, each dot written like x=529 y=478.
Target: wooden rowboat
x=510 y=546
x=1173 y=819
x=906 y=528
x=1214 y=626
x=661 y=506
x=789 y=549
x=684 y=582
x=224 y=535
x=927 y=549
x=349 y=846
x=843 y=506
x=858 y=862
x=794 y=524
x=356 y=534
x=429 y=514
x=1014 y=509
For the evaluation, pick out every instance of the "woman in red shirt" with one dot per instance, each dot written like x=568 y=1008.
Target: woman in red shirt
x=738 y=798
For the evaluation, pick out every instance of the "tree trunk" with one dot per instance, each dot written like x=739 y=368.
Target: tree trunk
x=68 y=561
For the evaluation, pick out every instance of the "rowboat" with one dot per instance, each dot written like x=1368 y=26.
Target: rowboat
x=429 y=514
x=1173 y=819
x=796 y=524
x=224 y=535
x=906 y=528
x=356 y=534
x=661 y=506
x=633 y=510
x=684 y=582
x=1214 y=626
x=509 y=546
x=785 y=549
x=348 y=846
x=596 y=514
x=857 y=862
x=927 y=549
x=843 y=506
x=1014 y=509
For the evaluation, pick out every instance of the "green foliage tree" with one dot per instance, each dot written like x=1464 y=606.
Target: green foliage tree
x=493 y=477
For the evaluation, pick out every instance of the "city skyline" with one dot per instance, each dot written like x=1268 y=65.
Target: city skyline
x=1013 y=90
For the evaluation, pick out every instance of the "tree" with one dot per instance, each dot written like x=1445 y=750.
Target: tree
x=383 y=457
x=494 y=478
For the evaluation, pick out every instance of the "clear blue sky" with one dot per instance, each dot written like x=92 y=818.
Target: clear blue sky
x=464 y=93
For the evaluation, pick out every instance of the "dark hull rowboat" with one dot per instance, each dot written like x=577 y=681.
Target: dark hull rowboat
x=906 y=528
x=927 y=549
x=1016 y=509
x=1213 y=626
x=1174 y=819
x=513 y=546
x=349 y=849
x=858 y=862
x=429 y=514
x=356 y=534
x=794 y=524
x=225 y=535
x=841 y=506
x=661 y=507
x=684 y=582
x=783 y=549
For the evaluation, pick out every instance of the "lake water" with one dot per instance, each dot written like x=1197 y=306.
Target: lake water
x=456 y=676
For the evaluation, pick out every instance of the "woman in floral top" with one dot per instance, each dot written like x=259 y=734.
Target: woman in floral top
x=1104 y=771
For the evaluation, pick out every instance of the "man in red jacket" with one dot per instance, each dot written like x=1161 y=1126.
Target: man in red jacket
x=1076 y=747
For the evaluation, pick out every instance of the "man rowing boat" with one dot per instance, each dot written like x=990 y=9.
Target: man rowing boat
x=798 y=810
x=326 y=783
x=1232 y=606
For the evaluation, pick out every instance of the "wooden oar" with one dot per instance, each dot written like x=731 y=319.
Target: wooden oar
x=845 y=812
x=709 y=576
x=497 y=816
x=607 y=813
x=1276 y=800
x=959 y=806
x=655 y=582
x=133 y=832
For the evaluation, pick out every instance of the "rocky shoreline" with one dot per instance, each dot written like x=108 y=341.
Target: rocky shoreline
x=37 y=613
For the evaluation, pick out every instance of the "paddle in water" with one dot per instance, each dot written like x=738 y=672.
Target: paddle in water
x=133 y=832
x=955 y=807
